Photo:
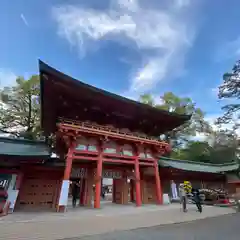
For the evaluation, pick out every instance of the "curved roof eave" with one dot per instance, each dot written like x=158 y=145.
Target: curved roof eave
x=23 y=148
x=72 y=81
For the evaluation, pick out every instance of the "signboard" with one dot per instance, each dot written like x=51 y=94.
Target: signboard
x=5 y=180
x=112 y=174
x=79 y=173
x=82 y=173
x=3 y=183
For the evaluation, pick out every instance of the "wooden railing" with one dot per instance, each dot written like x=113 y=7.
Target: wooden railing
x=110 y=129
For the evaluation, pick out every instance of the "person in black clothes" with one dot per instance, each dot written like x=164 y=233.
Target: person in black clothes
x=103 y=192
x=197 y=199
x=75 y=192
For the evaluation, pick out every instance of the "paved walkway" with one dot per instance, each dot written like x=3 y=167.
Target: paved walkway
x=49 y=226
x=217 y=228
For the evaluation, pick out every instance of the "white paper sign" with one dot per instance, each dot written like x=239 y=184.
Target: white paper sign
x=63 y=200
x=12 y=197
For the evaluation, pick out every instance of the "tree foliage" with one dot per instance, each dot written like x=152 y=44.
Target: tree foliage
x=225 y=146
x=171 y=102
x=216 y=151
x=194 y=151
x=230 y=89
x=20 y=112
x=220 y=146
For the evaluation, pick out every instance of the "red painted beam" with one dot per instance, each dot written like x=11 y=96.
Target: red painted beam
x=106 y=160
x=111 y=155
x=146 y=164
x=118 y=156
x=9 y=171
x=85 y=152
x=85 y=158
x=118 y=161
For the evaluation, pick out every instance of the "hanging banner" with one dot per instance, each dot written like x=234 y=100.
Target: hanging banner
x=174 y=190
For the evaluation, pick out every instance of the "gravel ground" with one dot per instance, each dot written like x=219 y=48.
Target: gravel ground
x=217 y=228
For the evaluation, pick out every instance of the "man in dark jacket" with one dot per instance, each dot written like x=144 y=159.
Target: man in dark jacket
x=75 y=192
x=197 y=199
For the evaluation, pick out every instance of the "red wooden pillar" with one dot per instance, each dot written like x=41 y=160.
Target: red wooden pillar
x=63 y=199
x=137 y=182
x=98 y=179
x=85 y=192
x=19 y=180
x=82 y=191
x=158 y=184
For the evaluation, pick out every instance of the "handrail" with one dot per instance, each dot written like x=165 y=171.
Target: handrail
x=86 y=126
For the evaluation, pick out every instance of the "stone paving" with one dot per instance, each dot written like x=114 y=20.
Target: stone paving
x=216 y=228
x=81 y=223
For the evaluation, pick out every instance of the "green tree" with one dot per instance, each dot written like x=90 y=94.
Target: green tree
x=230 y=89
x=222 y=146
x=147 y=99
x=182 y=134
x=20 y=113
x=204 y=152
x=194 y=151
x=199 y=151
x=225 y=146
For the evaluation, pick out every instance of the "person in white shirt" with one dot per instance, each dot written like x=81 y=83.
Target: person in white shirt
x=183 y=197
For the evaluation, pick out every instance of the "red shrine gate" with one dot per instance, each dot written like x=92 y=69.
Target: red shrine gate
x=98 y=130
x=93 y=155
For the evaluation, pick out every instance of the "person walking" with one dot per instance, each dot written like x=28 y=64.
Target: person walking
x=183 y=197
x=197 y=199
x=75 y=192
x=103 y=193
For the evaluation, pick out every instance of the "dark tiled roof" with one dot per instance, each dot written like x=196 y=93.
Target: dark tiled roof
x=22 y=147
x=197 y=166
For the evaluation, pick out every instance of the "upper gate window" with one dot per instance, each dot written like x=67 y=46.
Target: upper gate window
x=110 y=147
x=92 y=145
x=81 y=147
x=82 y=144
x=127 y=150
x=141 y=153
x=148 y=153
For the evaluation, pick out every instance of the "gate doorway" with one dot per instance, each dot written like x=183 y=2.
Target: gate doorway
x=119 y=186
x=116 y=187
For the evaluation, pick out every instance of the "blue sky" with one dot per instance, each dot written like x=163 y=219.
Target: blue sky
x=125 y=46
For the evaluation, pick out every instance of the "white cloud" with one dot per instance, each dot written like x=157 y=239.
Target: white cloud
x=182 y=3
x=7 y=77
x=212 y=119
x=161 y=35
x=134 y=96
x=200 y=137
x=215 y=91
x=24 y=19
